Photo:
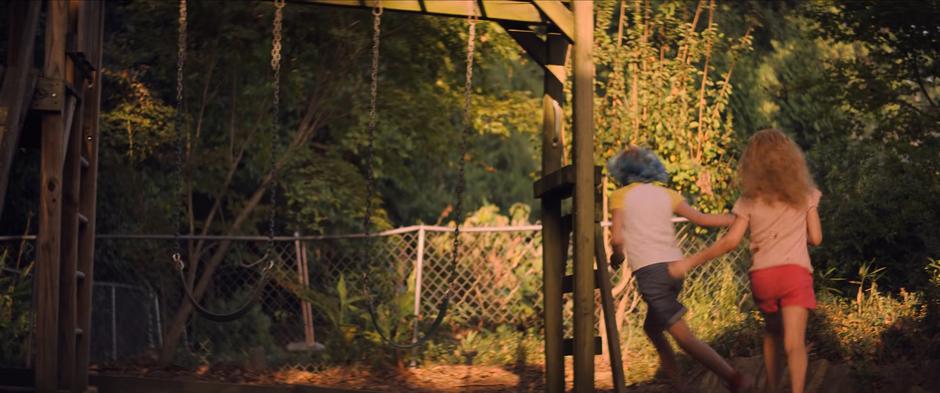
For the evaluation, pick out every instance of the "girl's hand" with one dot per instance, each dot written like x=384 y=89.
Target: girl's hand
x=616 y=259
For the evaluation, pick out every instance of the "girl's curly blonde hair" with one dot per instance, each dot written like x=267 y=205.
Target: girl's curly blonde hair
x=773 y=169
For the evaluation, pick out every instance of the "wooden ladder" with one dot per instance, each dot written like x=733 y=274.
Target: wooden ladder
x=556 y=187
x=67 y=99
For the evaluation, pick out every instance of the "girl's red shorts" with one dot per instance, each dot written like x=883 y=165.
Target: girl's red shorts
x=781 y=286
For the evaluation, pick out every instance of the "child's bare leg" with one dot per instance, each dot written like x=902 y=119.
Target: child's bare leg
x=794 y=343
x=667 y=358
x=700 y=351
x=773 y=334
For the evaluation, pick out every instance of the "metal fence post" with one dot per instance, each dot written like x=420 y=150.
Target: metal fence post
x=419 y=267
x=156 y=311
x=114 y=333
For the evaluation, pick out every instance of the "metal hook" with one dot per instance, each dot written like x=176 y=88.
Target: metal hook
x=557 y=112
x=179 y=261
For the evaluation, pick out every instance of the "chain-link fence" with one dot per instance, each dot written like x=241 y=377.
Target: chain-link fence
x=319 y=286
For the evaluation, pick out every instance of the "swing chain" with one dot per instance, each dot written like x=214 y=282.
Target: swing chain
x=275 y=116
x=373 y=120
x=178 y=127
x=464 y=137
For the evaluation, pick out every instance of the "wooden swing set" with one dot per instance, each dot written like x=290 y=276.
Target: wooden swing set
x=64 y=94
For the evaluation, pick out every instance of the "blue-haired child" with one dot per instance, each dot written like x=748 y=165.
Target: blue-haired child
x=642 y=227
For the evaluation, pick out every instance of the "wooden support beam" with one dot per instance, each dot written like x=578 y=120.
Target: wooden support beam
x=90 y=32
x=583 y=147
x=72 y=219
x=602 y=277
x=597 y=346
x=560 y=183
x=534 y=46
x=560 y=15
x=48 y=238
x=16 y=90
x=527 y=39
x=567 y=283
x=495 y=10
x=554 y=237
x=71 y=222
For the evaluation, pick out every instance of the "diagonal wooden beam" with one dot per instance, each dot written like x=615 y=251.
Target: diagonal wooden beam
x=16 y=92
x=534 y=46
x=559 y=15
x=495 y=10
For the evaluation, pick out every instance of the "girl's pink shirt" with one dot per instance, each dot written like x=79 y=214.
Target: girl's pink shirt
x=778 y=232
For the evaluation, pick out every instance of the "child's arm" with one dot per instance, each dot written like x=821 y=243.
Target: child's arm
x=702 y=219
x=616 y=222
x=616 y=238
x=813 y=227
x=728 y=242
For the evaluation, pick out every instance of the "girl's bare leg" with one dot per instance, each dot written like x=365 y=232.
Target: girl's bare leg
x=794 y=343
x=667 y=358
x=700 y=351
x=773 y=335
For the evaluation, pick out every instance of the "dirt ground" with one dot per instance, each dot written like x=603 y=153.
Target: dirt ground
x=432 y=378
x=822 y=376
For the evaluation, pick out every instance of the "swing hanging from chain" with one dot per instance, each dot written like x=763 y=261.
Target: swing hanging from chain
x=269 y=255
x=370 y=180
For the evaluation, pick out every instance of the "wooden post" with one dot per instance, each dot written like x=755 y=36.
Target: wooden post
x=419 y=273
x=91 y=102
x=553 y=259
x=50 y=205
x=300 y=253
x=583 y=197
x=308 y=309
x=71 y=183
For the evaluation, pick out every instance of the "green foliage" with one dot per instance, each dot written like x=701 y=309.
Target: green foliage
x=662 y=86
x=15 y=312
x=880 y=329
x=854 y=82
x=502 y=346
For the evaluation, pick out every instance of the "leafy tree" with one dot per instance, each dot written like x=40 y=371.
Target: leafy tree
x=227 y=130
x=843 y=80
x=660 y=86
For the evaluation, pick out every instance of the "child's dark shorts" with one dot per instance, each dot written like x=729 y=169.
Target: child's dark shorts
x=661 y=294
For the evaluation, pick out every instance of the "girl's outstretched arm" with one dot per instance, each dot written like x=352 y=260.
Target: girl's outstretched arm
x=813 y=227
x=702 y=219
x=728 y=242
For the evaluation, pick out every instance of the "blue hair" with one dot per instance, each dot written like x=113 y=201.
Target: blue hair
x=636 y=165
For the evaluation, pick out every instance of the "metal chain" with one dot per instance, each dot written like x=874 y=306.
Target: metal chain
x=373 y=120
x=178 y=126
x=275 y=117
x=464 y=137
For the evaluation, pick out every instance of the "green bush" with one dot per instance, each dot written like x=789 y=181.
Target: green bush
x=14 y=312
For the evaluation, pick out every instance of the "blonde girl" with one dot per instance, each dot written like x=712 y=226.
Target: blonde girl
x=778 y=206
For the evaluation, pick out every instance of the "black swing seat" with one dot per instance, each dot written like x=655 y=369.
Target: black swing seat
x=230 y=316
